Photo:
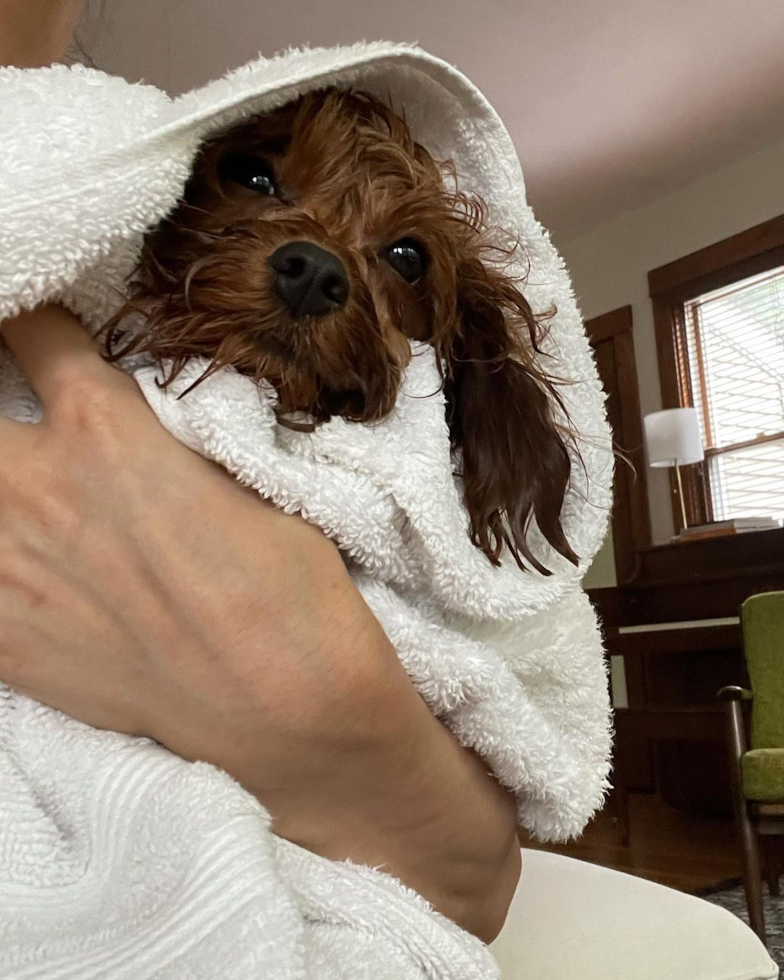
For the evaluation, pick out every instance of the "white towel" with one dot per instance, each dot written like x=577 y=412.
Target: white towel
x=116 y=858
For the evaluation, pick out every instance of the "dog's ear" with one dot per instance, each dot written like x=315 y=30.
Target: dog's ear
x=515 y=464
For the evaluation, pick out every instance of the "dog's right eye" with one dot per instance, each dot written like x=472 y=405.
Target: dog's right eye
x=408 y=258
x=250 y=171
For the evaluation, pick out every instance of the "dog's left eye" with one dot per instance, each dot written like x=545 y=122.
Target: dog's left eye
x=408 y=259
x=252 y=172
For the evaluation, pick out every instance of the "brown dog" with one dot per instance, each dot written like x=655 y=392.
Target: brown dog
x=311 y=245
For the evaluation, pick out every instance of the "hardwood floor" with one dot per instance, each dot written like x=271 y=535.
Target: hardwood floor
x=685 y=852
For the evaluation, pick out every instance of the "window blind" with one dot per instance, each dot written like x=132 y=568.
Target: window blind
x=734 y=354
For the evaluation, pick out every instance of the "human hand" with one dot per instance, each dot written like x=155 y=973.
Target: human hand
x=142 y=590
x=107 y=522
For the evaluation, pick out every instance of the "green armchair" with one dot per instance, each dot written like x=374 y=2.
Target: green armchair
x=757 y=766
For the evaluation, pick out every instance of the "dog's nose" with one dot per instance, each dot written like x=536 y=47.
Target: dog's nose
x=310 y=280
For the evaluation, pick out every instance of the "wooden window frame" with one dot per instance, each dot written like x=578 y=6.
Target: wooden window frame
x=671 y=286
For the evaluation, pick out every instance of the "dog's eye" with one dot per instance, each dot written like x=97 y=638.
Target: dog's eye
x=408 y=259
x=252 y=172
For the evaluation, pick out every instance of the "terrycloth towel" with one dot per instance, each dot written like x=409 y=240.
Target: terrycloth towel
x=120 y=860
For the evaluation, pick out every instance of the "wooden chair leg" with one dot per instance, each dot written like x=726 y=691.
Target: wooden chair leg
x=752 y=871
x=774 y=884
x=752 y=874
x=771 y=856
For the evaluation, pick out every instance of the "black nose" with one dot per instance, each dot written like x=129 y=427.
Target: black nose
x=310 y=280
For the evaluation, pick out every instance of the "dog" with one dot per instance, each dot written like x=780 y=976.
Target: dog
x=311 y=246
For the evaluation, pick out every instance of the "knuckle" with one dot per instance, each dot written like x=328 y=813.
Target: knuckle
x=52 y=512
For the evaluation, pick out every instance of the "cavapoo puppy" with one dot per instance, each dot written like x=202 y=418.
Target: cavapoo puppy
x=312 y=244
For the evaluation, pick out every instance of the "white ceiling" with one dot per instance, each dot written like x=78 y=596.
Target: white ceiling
x=611 y=102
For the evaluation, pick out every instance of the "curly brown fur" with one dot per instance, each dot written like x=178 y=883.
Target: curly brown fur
x=351 y=179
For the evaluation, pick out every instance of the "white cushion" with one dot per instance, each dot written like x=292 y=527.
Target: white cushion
x=571 y=920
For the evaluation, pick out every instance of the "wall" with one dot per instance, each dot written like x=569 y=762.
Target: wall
x=609 y=267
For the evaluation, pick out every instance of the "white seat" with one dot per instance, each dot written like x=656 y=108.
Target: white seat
x=571 y=920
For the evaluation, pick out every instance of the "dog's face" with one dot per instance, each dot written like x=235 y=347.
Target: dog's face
x=312 y=244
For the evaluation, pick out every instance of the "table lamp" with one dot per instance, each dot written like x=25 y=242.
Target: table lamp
x=673 y=438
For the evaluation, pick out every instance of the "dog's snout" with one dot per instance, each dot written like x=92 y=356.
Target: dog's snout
x=310 y=280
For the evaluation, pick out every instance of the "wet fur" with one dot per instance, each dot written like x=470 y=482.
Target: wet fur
x=353 y=181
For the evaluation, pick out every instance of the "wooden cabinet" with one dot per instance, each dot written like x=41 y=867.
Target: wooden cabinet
x=676 y=626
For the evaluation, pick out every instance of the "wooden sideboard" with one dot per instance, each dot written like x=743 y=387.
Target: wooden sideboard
x=675 y=625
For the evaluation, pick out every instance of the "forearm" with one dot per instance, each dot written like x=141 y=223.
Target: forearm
x=373 y=776
x=418 y=806
x=346 y=756
x=351 y=762
x=34 y=33
x=435 y=818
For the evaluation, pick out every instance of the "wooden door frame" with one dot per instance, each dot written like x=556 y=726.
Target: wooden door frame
x=631 y=518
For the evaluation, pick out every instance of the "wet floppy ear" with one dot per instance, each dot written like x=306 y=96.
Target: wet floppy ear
x=515 y=464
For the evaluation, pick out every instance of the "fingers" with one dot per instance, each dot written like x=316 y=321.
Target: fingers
x=53 y=349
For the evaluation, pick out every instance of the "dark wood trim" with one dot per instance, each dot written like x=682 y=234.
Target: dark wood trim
x=631 y=514
x=664 y=324
x=748 y=253
x=609 y=325
x=634 y=477
x=723 y=255
x=724 y=276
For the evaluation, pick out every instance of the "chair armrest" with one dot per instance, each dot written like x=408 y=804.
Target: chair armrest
x=733 y=697
x=733 y=693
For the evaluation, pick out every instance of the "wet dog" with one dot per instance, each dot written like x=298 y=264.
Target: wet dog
x=311 y=246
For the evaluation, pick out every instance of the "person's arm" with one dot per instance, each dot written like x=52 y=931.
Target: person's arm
x=143 y=590
x=36 y=33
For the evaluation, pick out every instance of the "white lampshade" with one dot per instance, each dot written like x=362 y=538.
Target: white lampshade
x=672 y=437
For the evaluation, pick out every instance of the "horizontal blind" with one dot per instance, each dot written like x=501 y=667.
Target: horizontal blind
x=735 y=347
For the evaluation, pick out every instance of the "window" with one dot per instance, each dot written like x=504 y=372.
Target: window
x=733 y=374
x=719 y=317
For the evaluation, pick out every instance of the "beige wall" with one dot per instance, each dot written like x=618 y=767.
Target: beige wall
x=610 y=266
